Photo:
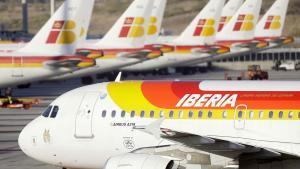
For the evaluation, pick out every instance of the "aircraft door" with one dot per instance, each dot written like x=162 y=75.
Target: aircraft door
x=17 y=70
x=84 y=116
x=240 y=116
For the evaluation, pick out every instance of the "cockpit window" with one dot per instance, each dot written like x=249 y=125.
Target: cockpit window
x=54 y=112
x=47 y=111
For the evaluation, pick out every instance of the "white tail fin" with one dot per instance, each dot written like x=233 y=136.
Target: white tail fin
x=87 y=16
x=203 y=28
x=156 y=21
x=60 y=35
x=272 y=23
x=242 y=24
x=130 y=29
x=228 y=11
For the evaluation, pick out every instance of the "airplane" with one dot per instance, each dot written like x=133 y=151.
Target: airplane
x=123 y=45
x=195 y=42
x=113 y=125
x=270 y=27
x=52 y=51
x=228 y=11
x=263 y=33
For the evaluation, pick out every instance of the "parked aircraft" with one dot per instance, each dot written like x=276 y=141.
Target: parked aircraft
x=113 y=125
x=52 y=51
x=196 y=41
x=270 y=27
x=124 y=44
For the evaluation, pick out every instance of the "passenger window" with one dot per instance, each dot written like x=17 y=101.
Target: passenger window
x=54 y=112
x=171 y=114
x=240 y=114
x=280 y=114
x=104 y=113
x=251 y=114
x=261 y=114
x=180 y=114
x=210 y=114
x=132 y=114
x=291 y=114
x=47 y=111
x=142 y=114
x=161 y=113
x=200 y=114
x=123 y=113
x=113 y=114
x=271 y=114
x=191 y=113
x=224 y=114
x=151 y=114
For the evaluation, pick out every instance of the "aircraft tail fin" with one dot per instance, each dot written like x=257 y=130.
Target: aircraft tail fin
x=242 y=24
x=61 y=33
x=272 y=23
x=228 y=11
x=156 y=21
x=203 y=28
x=130 y=29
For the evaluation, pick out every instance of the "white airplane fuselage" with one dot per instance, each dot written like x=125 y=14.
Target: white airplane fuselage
x=81 y=136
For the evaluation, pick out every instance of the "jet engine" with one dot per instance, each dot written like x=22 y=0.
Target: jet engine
x=139 y=161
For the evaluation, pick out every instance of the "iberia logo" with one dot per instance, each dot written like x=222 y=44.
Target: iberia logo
x=273 y=23
x=62 y=32
x=244 y=23
x=224 y=20
x=152 y=30
x=133 y=27
x=205 y=27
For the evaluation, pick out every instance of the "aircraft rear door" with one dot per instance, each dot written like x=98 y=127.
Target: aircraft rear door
x=240 y=116
x=84 y=116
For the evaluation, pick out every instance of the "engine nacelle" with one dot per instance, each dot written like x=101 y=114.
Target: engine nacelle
x=139 y=161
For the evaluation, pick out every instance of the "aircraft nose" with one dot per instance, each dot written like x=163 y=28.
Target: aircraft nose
x=24 y=140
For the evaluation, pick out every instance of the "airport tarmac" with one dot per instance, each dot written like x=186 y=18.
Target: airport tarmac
x=12 y=121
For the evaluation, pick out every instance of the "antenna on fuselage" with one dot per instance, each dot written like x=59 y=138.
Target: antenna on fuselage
x=118 y=78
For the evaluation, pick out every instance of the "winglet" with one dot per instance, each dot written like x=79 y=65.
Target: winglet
x=119 y=77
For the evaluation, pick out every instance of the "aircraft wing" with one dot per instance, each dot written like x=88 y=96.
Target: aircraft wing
x=143 y=54
x=71 y=63
x=212 y=144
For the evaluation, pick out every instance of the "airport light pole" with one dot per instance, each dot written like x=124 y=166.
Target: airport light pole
x=25 y=16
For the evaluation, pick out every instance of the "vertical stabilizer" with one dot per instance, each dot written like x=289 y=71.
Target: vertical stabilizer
x=203 y=28
x=131 y=28
x=242 y=25
x=228 y=11
x=60 y=35
x=272 y=23
x=156 y=21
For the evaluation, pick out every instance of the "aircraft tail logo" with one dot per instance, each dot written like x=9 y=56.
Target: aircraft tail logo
x=62 y=32
x=205 y=28
x=244 y=23
x=133 y=28
x=224 y=20
x=152 y=30
x=273 y=23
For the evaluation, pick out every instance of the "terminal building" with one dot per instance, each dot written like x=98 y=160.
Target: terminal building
x=266 y=59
